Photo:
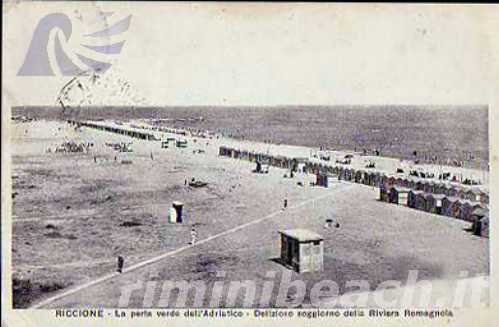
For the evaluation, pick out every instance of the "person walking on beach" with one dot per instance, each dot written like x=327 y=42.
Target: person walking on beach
x=285 y=204
x=194 y=235
x=121 y=263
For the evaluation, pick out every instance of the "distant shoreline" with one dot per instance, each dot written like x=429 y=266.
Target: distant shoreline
x=396 y=131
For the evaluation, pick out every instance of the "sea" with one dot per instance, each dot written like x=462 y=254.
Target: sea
x=445 y=134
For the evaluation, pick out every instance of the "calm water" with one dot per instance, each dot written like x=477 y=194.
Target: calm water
x=446 y=132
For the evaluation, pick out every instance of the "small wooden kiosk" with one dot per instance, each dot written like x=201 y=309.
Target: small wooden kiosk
x=175 y=213
x=302 y=250
x=324 y=179
x=398 y=195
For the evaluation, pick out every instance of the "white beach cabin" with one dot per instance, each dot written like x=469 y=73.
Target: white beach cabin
x=302 y=250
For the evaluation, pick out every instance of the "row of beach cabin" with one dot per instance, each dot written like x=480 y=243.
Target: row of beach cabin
x=369 y=177
x=441 y=204
x=443 y=198
x=274 y=161
x=131 y=132
x=378 y=179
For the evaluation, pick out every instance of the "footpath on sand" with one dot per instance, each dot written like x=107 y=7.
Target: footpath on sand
x=110 y=276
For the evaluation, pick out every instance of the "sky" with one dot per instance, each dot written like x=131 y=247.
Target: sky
x=272 y=54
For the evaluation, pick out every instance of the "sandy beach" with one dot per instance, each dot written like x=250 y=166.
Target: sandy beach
x=74 y=213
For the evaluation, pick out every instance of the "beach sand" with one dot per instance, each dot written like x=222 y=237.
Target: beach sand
x=71 y=216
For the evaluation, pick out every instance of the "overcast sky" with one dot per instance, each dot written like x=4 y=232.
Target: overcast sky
x=275 y=54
